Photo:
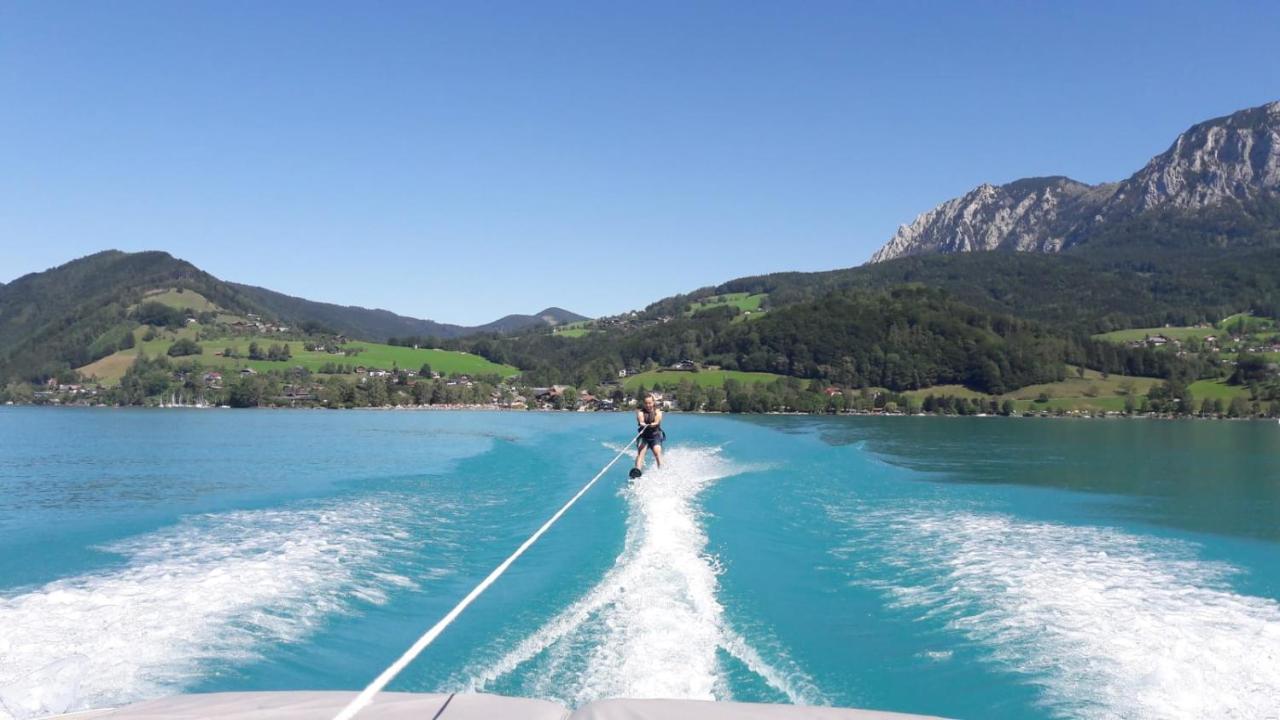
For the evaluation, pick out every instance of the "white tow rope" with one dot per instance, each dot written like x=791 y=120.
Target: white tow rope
x=366 y=696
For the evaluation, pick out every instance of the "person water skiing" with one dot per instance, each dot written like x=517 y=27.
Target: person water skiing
x=649 y=418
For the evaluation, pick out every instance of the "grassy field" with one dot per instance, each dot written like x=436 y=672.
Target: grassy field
x=1216 y=389
x=742 y=301
x=1175 y=333
x=573 y=329
x=373 y=355
x=1252 y=324
x=1091 y=392
x=1084 y=404
x=940 y=390
x=181 y=300
x=703 y=378
x=1092 y=382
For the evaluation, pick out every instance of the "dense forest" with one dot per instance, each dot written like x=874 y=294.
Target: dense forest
x=901 y=339
x=1163 y=267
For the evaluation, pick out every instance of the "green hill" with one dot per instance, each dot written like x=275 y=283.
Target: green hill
x=363 y=354
x=86 y=310
x=380 y=325
x=1166 y=267
x=74 y=314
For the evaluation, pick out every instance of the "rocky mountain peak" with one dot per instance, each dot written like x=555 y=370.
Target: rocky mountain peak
x=1236 y=157
x=1233 y=157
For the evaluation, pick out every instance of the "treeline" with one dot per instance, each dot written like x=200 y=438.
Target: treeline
x=151 y=380
x=905 y=338
x=278 y=352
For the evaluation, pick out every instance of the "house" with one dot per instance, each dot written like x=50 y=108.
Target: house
x=685 y=366
x=361 y=370
x=832 y=391
x=247 y=372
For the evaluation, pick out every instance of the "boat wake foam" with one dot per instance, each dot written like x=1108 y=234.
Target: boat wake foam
x=1108 y=624
x=653 y=626
x=213 y=588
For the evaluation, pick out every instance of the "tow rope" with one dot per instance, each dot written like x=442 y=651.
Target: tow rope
x=366 y=696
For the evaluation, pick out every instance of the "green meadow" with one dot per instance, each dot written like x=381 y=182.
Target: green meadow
x=702 y=378
x=372 y=355
x=1090 y=392
x=182 y=300
x=573 y=329
x=1216 y=390
x=745 y=302
x=1174 y=333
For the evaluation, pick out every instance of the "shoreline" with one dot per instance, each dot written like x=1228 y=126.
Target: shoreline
x=491 y=408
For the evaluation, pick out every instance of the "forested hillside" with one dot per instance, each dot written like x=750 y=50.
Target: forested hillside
x=61 y=319
x=1165 y=267
x=69 y=316
x=379 y=325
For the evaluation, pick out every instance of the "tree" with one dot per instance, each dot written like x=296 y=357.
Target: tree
x=18 y=392
x=247 y=391
x=1206 y=407
x=425 y=370
x=1006 y=408
x=1239 y=407
x=184 y=347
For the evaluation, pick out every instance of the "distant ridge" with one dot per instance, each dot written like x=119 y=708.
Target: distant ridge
x=378 y=324
x=73 y=314
x=1234 y=158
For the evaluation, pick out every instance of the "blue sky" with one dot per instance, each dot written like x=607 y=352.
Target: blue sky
x=460 y=161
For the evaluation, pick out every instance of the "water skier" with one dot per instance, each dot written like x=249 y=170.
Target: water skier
x=649 y=418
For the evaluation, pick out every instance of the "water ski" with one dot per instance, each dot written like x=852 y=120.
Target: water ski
x=635 y=473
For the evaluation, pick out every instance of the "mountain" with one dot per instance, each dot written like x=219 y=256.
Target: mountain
x=73 y=314
x=379 y=325
x=1165 y=266
x=550 y=316
x=1231 y=159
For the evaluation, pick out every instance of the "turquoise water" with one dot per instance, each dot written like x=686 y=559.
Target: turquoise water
x=964 y=567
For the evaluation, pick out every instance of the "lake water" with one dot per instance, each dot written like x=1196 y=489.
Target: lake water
x=964 y=567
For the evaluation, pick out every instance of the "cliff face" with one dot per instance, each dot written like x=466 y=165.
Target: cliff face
x=1236 y=157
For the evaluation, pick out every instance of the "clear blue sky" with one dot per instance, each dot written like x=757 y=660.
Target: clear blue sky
x=462 y=160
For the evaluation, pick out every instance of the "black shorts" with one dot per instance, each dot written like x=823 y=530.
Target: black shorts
x=655 y=440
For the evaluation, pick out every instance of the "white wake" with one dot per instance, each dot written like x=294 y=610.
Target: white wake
x=1107 y=624
x=653 y=626
x=218 y=587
